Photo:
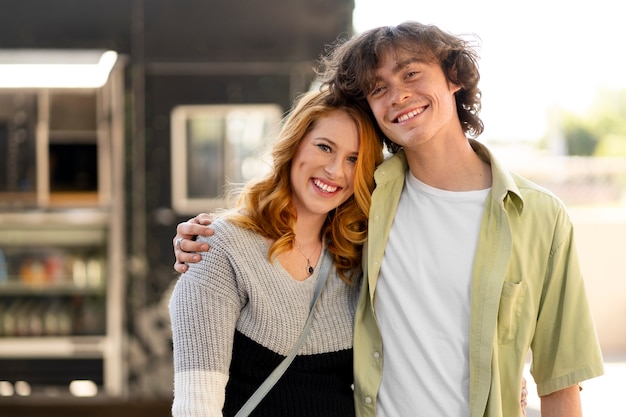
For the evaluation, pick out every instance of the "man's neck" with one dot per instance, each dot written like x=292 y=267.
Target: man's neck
x=449 y=165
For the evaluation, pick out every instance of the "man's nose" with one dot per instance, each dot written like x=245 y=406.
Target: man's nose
x=399 y=94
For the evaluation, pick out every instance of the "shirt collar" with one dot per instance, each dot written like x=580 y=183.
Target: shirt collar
x=503 y=185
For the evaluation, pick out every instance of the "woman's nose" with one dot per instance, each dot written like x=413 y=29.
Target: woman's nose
x=334 y=168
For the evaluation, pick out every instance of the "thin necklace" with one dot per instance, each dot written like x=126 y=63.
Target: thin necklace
x=309 y=268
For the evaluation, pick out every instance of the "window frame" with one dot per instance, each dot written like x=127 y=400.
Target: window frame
x=182 y=202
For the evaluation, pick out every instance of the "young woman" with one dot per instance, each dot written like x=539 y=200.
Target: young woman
x=237 y=313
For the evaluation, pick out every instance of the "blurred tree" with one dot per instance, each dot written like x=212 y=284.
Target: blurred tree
x=581 y=139
x=609 y=120
x=602 y=132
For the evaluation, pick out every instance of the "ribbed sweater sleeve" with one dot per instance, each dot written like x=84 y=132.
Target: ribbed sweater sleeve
x=204 y=308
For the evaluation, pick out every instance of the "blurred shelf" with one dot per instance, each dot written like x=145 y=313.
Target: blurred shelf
x=53 y=347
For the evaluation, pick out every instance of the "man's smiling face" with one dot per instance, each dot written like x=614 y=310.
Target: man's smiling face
x=412 y=100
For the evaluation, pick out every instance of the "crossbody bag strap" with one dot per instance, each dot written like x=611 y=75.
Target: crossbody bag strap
x=278 y=372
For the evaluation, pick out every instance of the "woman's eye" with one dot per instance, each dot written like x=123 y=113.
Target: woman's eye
x=324 y=147
x=352 y=159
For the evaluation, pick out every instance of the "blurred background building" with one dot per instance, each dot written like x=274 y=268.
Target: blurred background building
x=121 y=118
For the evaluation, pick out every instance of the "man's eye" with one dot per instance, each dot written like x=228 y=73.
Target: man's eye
x=411 y=74
x=376 y=91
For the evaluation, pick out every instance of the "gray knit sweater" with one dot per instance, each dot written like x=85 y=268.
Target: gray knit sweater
x=235 y=316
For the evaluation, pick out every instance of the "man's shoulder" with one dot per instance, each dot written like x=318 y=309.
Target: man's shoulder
x=392 y=168
x=530 y=195
x=534 y=193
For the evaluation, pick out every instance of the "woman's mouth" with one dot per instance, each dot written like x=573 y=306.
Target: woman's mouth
x=324 y=187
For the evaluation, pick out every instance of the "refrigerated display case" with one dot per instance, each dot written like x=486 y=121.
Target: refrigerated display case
x=61 y=224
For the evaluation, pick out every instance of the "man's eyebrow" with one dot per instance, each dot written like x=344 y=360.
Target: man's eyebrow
x=402 y=64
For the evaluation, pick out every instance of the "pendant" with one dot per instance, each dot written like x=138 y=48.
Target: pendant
x=310 y=269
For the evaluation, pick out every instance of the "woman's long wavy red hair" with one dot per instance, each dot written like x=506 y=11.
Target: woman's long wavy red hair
x=266 y=206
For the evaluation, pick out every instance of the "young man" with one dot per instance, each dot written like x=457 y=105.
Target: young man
x=468 y=266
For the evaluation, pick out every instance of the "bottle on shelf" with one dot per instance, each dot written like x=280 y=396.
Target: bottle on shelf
x=4 y=269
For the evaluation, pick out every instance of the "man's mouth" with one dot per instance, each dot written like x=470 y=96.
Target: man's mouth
x=409 y=115
x=324 y=187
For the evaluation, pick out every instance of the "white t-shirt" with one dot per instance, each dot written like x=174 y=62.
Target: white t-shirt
x=423 y=301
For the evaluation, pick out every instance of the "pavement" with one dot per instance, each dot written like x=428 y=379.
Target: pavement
x=601 y=397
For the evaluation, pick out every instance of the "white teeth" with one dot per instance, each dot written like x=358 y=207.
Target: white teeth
x=409 y=115
x=325 y=187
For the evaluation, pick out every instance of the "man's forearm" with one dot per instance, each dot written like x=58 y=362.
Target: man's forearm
x=563 y=403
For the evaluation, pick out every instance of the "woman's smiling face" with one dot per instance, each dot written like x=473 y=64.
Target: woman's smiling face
x=322 y=170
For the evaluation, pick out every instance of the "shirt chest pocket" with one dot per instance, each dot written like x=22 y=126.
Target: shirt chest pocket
x=511 y=302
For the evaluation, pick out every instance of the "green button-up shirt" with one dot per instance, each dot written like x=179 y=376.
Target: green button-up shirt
x=527 y=292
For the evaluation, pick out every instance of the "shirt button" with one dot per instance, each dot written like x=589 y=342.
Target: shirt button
x=377 y=217
x=376 y=355
x=368 y=400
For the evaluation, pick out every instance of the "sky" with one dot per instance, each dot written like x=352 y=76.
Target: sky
x=535 y=56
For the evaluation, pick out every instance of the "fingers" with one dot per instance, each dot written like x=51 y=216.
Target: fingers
x=180 y=267
x=185 y=249
x=202 y=218
x=189 y=230
x=182 y=258
x=185 y=244
x=523 y=400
